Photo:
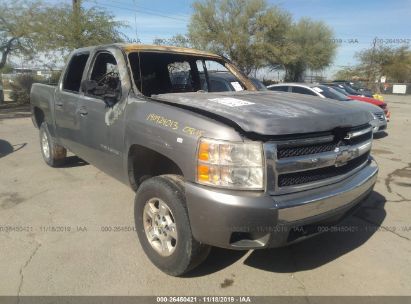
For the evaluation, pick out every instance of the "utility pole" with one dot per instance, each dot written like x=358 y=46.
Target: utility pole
x=76 y=7
x=135 y=22
x=76 y=22
x=371 y=67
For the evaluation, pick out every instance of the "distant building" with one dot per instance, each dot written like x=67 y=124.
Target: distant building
x=42 y=72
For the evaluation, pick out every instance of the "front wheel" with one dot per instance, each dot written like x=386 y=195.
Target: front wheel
x=163 y=226
x=53 y=154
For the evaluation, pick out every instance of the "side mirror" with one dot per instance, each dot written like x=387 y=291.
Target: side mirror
x=109 y=97
x=89 y=86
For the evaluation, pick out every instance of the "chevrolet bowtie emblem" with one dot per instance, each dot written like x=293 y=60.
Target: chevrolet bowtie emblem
x=348 y=136
x=343 y=156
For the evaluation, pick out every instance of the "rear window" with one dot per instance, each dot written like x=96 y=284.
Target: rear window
x=74 y=72
x=180 y=76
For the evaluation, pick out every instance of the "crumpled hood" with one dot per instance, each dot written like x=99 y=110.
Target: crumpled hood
x=274 y=113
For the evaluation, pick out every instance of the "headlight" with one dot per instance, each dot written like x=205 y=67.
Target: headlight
x=375 y=123
x=230 y=165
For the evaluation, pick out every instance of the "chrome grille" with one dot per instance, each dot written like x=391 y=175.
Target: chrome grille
x=284 y=152
x=309 y=176
x=300 y=164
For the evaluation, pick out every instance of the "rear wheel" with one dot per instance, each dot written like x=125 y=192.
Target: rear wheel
x=163 y=226
x=53 y=154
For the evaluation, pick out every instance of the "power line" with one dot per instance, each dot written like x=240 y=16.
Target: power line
x=138 y=11
x=143 y=8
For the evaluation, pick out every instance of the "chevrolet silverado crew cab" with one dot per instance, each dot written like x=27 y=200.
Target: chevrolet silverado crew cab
x=243 y=170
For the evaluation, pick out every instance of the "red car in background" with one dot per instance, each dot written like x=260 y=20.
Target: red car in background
x=373 y=101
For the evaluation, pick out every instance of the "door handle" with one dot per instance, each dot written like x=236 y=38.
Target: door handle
x=60 y=105
x=83 y=111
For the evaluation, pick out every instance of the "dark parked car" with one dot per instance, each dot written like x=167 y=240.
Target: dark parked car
x=353 y=88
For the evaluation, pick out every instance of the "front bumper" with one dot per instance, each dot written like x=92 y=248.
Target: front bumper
x=246 y=220
x=381 y=128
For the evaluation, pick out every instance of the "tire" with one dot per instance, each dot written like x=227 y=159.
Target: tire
x=185 y=253
x=53 y=154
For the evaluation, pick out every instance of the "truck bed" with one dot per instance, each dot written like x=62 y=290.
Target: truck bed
x=42 y=97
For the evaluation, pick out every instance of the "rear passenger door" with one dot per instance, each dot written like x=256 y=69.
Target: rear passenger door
x=66 y=104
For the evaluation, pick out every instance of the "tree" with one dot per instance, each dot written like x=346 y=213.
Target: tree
x=177 y=40
x=398 y=69
x=237 y=29
x=29 y=28
x=382 y=60
x=372 y=62
x=311 y=47
x=76 y=27
x=348 y=73
x=20 y=21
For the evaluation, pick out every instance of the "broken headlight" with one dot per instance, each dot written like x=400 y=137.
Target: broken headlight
x=230 y=165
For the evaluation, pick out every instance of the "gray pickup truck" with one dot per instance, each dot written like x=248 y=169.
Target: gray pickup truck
x=241 y=170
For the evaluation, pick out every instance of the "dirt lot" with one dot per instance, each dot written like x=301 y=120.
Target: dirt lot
x=69 y=233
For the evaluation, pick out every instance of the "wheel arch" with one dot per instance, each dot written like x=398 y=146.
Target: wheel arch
x=144 y=163
x=38 y=117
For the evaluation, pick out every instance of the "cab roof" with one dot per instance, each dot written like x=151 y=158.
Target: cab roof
x=129 y=48
x=134 y=47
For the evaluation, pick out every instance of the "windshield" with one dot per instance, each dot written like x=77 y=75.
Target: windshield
x=341 y=90
x=162 y=73
x=329 y=92
x=350 y=91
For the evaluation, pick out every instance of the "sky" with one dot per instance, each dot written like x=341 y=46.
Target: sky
x=355 y=22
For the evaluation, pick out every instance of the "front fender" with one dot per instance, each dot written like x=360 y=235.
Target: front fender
x=172 y=132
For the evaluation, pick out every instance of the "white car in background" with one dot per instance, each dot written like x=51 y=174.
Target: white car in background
x=379 y=122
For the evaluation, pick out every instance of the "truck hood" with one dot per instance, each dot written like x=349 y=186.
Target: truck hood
x=273 y=113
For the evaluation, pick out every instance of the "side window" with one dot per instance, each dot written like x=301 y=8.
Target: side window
x=305 y=91
x=105 y=73
x=74 y=73
x=279 y=88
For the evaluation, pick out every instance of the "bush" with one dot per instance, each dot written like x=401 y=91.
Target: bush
x=21 y=86
x=54 y=78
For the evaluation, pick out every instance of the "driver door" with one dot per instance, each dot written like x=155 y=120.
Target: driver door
x=93 y=111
